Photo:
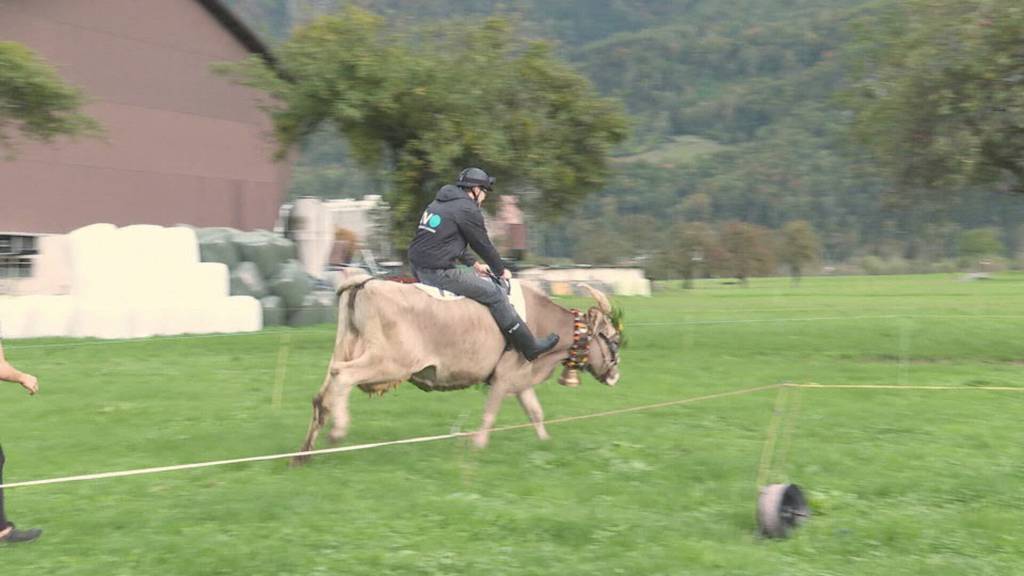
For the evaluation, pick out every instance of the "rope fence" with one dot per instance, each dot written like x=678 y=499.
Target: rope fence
x=14 y=345
x=763 y=468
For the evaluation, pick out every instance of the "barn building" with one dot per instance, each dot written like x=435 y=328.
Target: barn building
x=182 y=144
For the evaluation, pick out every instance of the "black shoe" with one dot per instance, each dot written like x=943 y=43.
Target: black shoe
x=524 y=341
x=15 y=536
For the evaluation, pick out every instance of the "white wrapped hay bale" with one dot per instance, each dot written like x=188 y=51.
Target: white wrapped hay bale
x=144 y=280
x=240 y=314
x=45 y=315
x=140 y=257
x=14 y=317
x=204 y=281
x=161 y=259
x=231 y=314
x=146 y=319
x=102 y=319
x=93 y=272
x=182 y=244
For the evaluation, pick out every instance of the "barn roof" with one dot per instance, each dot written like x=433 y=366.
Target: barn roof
x=242 y=32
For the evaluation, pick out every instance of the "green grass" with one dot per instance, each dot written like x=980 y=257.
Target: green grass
x=900 y=481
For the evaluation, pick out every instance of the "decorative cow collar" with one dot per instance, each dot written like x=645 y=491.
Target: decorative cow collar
x=581 y=336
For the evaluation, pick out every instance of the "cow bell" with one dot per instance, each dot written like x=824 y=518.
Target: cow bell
x=570 y=377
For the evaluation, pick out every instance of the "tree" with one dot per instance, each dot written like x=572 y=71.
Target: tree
x=425 y=107
x=697 y=207
x=601 y=240
x=979 y=244
x=749 y=249
x=643 y=232
x=35 y=102
x=693 y=248
x=940 y=95
x=800 y=246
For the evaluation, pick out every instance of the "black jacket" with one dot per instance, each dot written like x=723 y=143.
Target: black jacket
x=450 y=223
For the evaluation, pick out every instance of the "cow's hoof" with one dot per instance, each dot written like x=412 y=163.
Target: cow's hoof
x=297 y=461
x=480 y=441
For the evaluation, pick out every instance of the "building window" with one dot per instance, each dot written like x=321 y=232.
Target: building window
x=16 y=252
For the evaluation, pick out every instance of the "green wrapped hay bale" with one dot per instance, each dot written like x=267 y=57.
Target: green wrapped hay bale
x=266 y=249
x=216 y=245
x=273 y=311
x=246 y=280
x=286 y=249
x=292 y=284
x=255 y=247
x=317 y=307
x=327 y=300
x=310 y=312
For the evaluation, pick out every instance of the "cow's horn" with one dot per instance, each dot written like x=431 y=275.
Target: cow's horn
x=602 y=301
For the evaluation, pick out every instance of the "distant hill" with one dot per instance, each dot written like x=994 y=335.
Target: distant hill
x=730 y=99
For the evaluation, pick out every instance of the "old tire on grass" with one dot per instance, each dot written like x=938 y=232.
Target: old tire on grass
x=780 y=509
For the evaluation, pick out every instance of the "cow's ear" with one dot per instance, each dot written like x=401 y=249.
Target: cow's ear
x=593 y=315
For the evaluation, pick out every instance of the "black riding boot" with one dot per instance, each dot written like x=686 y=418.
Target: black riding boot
x=524 y=341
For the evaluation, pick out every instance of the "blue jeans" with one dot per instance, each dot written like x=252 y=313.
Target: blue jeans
x=465 y=282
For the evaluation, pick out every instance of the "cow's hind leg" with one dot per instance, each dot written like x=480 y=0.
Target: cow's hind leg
x=344 y=376
x=316 y=422
x=531 y=404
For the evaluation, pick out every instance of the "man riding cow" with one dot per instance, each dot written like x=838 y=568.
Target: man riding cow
x=450 y=224
x=390 y=332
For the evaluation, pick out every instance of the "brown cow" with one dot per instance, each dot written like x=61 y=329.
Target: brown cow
x=389 y=333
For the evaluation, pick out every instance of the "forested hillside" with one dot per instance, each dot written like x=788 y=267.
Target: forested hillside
x=735 y=119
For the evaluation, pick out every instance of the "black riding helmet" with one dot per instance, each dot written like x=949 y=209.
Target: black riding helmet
x=475 y=177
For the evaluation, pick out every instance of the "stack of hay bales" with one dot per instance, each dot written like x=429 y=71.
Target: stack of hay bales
x=264 y=266
x=107 y=282
x=140 y=281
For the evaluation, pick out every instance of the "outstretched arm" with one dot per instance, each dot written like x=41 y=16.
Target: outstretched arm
x=12 y=374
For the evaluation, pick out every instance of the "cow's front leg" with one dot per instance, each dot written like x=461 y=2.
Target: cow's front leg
x=491 y=408
x=531 y=404
x=367 y=369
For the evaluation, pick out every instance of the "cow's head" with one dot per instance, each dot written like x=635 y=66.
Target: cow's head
x=605 y=324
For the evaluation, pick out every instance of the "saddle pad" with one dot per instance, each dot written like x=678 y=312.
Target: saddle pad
x=516 y=297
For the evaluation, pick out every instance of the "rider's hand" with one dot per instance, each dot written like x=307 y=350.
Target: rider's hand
x=481 y=269
x=506 y=275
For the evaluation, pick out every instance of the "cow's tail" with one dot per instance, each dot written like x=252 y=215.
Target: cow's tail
x=347 y=292
x=353 y=280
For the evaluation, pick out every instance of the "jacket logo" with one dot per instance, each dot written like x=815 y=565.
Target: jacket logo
x=429 y=221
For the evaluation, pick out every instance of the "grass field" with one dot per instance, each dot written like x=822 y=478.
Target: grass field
x=900 y=481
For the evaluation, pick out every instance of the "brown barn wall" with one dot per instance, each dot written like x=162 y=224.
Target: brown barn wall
x=182 y=144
